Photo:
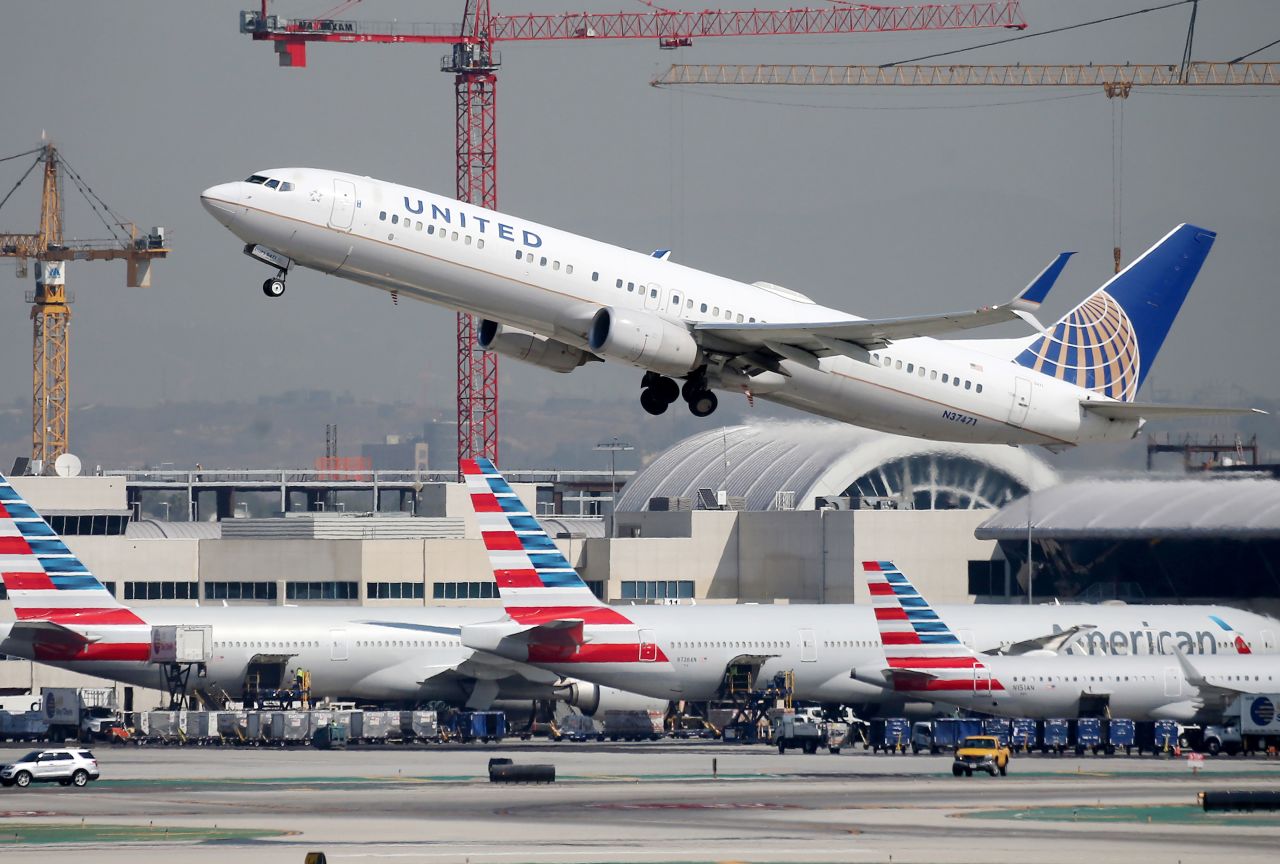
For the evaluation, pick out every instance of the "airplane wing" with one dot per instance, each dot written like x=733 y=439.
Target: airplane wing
x=1053 y=642
x=1153 y=410
x=821 y=338
x=1222 y=693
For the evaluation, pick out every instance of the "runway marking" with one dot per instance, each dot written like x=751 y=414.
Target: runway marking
x=45 y=833
x=1164 y=814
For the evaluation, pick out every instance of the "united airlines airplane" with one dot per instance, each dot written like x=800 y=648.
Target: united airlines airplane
x=926 y=660
x=67 y=618
x=559 y=301
x=682 y=652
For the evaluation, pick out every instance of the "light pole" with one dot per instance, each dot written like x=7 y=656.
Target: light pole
x=613 y=446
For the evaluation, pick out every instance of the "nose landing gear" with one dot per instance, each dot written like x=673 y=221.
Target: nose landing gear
x=274 y=287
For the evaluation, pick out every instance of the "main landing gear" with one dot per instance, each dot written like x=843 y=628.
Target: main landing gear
x=274 y=287
x=659 y=392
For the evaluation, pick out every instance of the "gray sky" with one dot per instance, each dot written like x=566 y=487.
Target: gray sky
x=865 y=202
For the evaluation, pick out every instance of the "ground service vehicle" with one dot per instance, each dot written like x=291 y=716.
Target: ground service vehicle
x=68 y=767
x=981 y=753
x=798 y=732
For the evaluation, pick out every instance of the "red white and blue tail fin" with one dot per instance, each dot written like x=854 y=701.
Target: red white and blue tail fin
x=529 y=569
x=921 y=650
x=45 y=581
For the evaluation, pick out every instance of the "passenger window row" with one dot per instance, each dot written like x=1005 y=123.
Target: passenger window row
x=430 y=228
x=920 y=371
x=541 y=261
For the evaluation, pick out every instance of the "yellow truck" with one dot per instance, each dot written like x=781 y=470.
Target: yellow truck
x=981 y=753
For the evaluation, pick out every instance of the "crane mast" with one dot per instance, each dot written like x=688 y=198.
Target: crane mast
x=51 y=301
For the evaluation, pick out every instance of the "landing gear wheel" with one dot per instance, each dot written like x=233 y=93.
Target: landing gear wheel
x=273 y=287
x=703 y=403
x=652 y=402
x=666 y=389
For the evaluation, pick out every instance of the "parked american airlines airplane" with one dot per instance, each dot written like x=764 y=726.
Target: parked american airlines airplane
x=558 y=300
x=67 y=618
x=926 y=660
x=682 y=652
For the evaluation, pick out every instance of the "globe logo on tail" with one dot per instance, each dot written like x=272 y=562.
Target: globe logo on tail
x=1094 y=347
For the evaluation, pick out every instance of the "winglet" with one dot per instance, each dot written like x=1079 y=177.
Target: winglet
x=1038 y=288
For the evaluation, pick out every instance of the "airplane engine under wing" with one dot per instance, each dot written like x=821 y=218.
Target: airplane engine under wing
x=643 y=340
x=592 y=699
x=530 y=347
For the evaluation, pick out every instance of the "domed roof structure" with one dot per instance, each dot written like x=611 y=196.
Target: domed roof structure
x=790 y=465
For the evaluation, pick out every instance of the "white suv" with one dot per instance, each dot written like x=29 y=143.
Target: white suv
x=68 y=767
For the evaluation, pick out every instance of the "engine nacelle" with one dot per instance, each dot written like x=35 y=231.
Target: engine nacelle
x=530 y=347
x=643 y=340
x=592 y=699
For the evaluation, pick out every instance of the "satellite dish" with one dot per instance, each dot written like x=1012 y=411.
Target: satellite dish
x=67 y=465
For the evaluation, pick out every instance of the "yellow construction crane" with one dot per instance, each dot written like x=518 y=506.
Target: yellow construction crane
x=51 y=302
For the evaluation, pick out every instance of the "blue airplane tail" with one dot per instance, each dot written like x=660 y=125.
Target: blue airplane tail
x=1109 y=342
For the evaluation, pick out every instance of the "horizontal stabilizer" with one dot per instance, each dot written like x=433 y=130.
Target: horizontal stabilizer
x=47 y=632
x=488 y=635
x=1151 y=410
x=1054 y=642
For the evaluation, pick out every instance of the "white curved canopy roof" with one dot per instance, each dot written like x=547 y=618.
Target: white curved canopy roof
x=819 y=458
x=1185 y=509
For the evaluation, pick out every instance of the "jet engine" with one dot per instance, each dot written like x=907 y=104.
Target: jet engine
x=592 y=699
x=643 y=340
x=530 y=347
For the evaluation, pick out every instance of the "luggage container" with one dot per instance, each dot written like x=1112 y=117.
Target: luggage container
x=1120 y=735
x=423 y=726
x=943 y=733
x=355 y=725
x=1022 y=734
x=1056 y=735
x=1156 y=737
x=999 y=727
x=1088 y=735
x=290 y=727
x=317 y=720
x=380 y=726
x=165 y=726
x=257 y=727
x=202 y=726
x=891 y=734
x=231 y=726
x=486 y=726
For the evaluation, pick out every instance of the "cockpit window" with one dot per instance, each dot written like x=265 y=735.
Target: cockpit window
x=256 y=178
x=272 y=184
x=286 y=186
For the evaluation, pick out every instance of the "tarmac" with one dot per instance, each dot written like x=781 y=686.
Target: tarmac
x=648 y=802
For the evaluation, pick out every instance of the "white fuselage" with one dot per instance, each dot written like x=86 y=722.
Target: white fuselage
x=1139 y=688
x=367 y=654
x=835 y=653
x=549 y=282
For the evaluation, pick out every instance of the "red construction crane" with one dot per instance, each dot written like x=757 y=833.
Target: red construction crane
x=474 y=65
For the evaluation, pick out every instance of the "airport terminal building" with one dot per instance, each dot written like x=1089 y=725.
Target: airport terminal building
x=762 y=513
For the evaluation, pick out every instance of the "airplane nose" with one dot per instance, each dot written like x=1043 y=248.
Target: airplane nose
x=222 y=202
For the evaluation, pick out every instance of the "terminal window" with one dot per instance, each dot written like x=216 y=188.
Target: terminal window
x=658 y=589
x=322 y=591
x=394 y=590
x=464 y=590
x=161 y=591
x=240 y=591
x=78 y=524
x=986 y=578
